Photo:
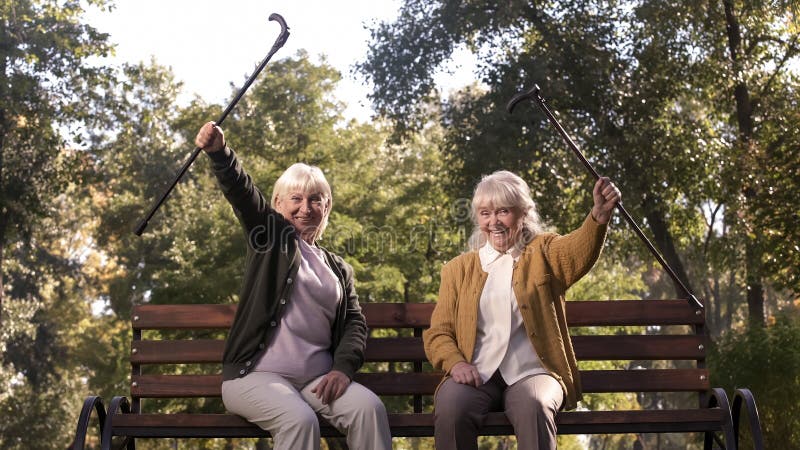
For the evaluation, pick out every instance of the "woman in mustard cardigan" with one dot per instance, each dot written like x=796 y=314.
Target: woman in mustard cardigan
x=499 y=329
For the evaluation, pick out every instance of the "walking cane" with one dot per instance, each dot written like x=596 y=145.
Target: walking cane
x=533 y=94
x=277 y=45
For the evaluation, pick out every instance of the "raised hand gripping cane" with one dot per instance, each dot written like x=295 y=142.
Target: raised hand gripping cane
x=533 y=94
x=277 y=45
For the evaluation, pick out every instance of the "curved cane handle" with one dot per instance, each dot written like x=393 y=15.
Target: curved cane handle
x=284 y=29
x=531 y=94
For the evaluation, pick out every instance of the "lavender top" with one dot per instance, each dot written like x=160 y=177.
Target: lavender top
x=300 y=349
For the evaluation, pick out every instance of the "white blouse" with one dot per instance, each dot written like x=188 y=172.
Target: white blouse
x=502 y=342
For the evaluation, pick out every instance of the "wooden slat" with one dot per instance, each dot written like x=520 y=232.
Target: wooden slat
x=631 y=312
x=398 y=315
x=639 y=347
x=404 y=349
x=417 y=315
x=410 y=349
x=652 y=380
x=660 y=380
x=177 y=352
x=158 y=317
x=403 y=425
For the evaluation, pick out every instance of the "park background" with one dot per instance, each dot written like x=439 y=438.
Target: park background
x=690 y=107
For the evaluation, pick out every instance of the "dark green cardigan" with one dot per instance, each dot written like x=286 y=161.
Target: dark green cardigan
x=271 y=266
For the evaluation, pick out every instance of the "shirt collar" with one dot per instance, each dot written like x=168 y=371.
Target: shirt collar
x=489 y=254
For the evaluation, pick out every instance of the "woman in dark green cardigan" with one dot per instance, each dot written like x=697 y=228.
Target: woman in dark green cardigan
x=299 y=335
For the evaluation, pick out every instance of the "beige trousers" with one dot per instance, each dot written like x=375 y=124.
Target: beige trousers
x=530 y=404
x=289 y=412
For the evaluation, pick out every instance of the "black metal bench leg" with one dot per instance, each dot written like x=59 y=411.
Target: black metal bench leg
x=118 y=405
x=92 y=403
x=743 y=397
x=719 y=399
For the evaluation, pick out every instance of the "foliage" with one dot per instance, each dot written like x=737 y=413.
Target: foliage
x=767 y=361
x=48 y=88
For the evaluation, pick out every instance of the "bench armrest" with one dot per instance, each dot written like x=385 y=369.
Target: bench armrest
x=92 y=403
x=118 y=405
x=743 y=397
x=717 y=398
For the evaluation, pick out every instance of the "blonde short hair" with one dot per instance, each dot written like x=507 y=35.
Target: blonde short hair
x=300 y=177
x=503 y=189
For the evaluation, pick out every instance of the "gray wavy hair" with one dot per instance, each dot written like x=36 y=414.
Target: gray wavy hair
x=503 y=189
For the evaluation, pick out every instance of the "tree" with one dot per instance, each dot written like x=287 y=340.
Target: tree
x=48 y=88
x=46 y=85
x=755 y=44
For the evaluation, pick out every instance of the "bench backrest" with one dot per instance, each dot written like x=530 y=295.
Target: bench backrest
x=645 y=333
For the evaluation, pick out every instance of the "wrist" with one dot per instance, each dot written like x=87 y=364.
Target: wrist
x=600 y=217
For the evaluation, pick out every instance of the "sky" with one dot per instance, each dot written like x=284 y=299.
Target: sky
x=209 y=45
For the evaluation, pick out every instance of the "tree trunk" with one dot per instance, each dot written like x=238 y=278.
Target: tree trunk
x=744 y=119
x=755 y=292
x=664 y=242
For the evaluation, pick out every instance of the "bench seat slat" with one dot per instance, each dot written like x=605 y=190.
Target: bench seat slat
x=417 y=315
x=409 y=349
x=594 y=381
x=570 y=422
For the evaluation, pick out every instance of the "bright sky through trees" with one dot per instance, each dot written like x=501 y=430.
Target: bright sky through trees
x=211 y=44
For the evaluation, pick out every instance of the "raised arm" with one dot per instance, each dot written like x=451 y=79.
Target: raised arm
x=571 y=256
x=247 y=201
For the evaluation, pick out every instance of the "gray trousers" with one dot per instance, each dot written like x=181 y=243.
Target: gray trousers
x=530 y=404
x=289 y=412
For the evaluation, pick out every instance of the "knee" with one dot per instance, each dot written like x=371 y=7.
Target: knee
x=544 y=406
x=370 y=406
x=452 y=414
x=303 y=419
x=537 y=406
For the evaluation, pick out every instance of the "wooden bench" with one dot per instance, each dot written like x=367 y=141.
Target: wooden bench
x=186 y=365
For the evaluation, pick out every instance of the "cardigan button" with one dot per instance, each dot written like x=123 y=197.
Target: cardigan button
x=289 y=280
x=273 y=323
x=261 y=346
x=247 y=364
x=283 y=301
x=241 y=372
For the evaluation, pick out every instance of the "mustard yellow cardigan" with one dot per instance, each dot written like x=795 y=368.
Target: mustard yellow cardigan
x=549 y=264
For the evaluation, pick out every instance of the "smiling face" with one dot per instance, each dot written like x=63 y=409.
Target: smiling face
x=302 y=196
x=503 y=212
x=304 y=211
x=500 y=225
